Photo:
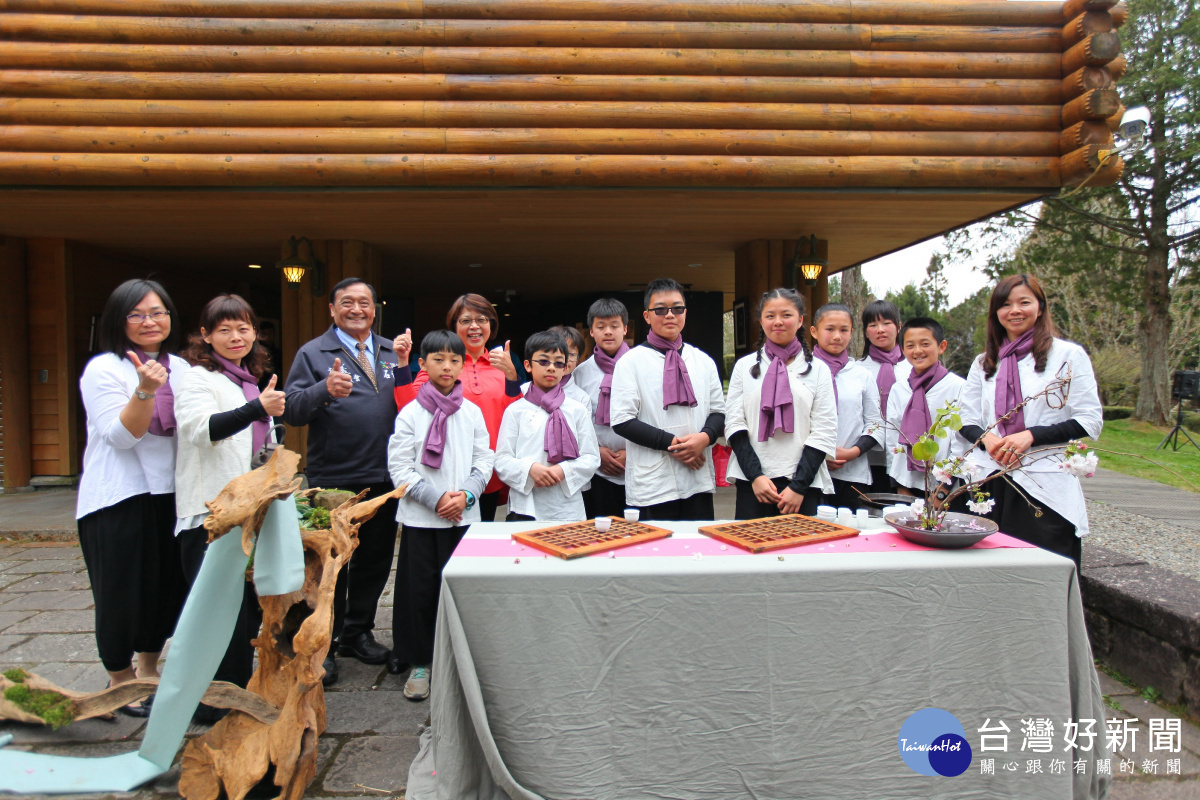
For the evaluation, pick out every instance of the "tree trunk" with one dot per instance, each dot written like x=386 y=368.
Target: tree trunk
x=854 y=295
x=1154 y=325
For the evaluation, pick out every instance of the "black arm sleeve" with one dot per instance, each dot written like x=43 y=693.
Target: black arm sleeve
x=1057 y=434
x=746 y=457
x=806 y=470
x=713 y=427
x=227 y=423
x=972 y=433
x=512 y=388
x=866 y=443
x=644 y=434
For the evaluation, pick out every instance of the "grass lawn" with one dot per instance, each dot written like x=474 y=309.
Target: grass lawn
x=1132 y=436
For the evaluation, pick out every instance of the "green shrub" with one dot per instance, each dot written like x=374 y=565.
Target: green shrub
x=1117 y=412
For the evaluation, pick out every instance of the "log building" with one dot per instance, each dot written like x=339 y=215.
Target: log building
x=541 y=152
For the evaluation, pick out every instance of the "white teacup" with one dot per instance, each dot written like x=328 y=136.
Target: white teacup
x=603 y=524
x=632 y=515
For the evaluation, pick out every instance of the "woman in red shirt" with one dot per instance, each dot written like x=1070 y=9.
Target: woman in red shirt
x=489 y=378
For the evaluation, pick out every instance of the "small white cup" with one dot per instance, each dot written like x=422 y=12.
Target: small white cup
x=603 y=524
x=826 y=512
x=632 y=515
x=862 y=515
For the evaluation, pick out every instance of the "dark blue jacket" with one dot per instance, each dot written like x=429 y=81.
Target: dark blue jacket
x=347 y=437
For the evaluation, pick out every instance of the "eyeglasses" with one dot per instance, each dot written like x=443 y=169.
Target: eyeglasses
x=467 y=322
x=156 y=317
x=572 y=358
x=662 y=311
x=545 y=362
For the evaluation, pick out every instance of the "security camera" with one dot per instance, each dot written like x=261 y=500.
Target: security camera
x=1134 y=123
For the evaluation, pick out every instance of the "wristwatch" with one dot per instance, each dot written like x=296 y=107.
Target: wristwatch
x=470 y=500
x=142 y=395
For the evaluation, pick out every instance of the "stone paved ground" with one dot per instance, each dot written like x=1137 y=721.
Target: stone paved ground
x=46 y=626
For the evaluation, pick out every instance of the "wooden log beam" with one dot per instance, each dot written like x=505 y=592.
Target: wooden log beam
x=546 y=60
x=1073 y=8
x=1120 y=13
x=927 y=12
x=78 y=169
x=645 y=141
x=1114 y=122
x=1116 y=67
x=1084 y=133
x=1081 y=27
x=544 y=33
x=434 y=113
x=1085 y=79
x=1094 y=51
x=1096 y=104
x=1088 y=164
x=685 y=88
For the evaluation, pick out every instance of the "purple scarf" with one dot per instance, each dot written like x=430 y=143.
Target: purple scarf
x=560 y=442
x=260 y=429
x=606 y=363
x=1008 y=383
x=835 y=364
x=917 y=419
x=885 y=379
x=677 y=384
x=442 y=406
x=775 y=407
x=162 y=423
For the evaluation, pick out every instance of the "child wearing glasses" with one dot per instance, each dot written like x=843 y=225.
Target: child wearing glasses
x=668 y=404
x=440 y=449
x=546 y=451
x=575 y=348
x=608 y=323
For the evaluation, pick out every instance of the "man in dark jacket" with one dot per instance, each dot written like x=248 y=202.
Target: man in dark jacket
x=341 y=385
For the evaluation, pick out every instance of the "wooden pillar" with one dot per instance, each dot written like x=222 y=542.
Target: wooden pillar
x=15 y=443
x=820 y=294
x=54 y=385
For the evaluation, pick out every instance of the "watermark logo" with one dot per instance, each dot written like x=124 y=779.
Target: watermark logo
x=933 y=742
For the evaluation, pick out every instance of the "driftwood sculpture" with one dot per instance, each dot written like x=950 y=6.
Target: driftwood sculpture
x=240 y=750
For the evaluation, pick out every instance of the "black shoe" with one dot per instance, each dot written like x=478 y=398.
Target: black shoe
x=364 y=648
x=207 y=715
x=394 y=665
x=331 y=672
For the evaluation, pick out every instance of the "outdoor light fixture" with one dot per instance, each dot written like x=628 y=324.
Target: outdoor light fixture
x=294 y=266
x=810 y=266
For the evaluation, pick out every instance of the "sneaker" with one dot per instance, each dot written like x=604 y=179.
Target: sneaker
x=417 y=685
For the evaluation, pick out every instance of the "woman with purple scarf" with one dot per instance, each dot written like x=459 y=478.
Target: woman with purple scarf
x=126 y=506
x=223 y=421
x=1038 y=503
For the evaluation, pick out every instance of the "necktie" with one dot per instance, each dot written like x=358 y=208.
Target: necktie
x=364 y=360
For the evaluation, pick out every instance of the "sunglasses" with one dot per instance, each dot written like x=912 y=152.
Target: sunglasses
x=545 y=362
x=662 y=311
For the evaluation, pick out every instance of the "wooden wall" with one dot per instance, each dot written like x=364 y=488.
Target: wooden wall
x=54 y=375
x=698 y=93
x=16 y=464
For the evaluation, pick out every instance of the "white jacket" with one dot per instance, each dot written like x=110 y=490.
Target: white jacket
x=948 y=390
x=203 y=467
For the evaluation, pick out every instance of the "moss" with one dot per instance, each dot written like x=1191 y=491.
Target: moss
x=16 y=675
x=51 y=707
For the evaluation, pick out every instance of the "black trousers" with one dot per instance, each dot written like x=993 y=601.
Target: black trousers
x=132 y=561
x=1016 y=517
x=880 y=480
x=361 y=582
x=697 y=507
x=748 y=507
x=488 y=503
x=238 y=663
x=513 y=516
x=423 y=555
x=844 y=495
x=604 y=499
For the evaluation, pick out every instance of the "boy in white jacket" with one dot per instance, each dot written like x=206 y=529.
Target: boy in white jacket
x=440 y=450
x=546 y=451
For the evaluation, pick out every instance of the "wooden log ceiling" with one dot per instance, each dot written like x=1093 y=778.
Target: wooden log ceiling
x=511 y=93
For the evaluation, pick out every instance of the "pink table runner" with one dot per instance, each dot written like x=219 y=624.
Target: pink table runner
x=872 y=543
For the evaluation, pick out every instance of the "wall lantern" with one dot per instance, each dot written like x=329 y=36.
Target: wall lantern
x=294 y=266
x=809 y=265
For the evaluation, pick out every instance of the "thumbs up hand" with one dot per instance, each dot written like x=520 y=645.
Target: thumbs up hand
x=402 y=344
x=151 y=375
x=501 y=359
x=338 y=384
x=272 y=399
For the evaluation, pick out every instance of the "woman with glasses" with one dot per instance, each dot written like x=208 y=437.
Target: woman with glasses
x=489 y=378
x=126 y=506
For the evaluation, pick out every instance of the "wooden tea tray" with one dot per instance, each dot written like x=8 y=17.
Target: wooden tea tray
x=773 y=533
x=583 y=539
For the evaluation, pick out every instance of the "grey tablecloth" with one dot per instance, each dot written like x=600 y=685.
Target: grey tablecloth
x=750 y=676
